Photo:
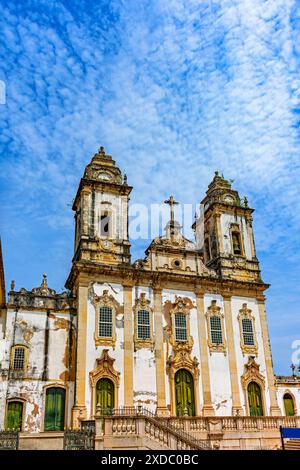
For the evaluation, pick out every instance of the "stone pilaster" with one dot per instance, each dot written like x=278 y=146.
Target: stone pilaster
x=274 y=408
x=159 y=355
x=207 y=409
x=79 y=410
x=234 y=380
x=219 y=233
x=128 y=346
x=85 y=211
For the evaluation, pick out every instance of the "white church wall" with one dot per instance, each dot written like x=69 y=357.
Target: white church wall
x=294 y=391
x=226 y=221
x=144 y=370
x=236 y=305
x=28 y=329
x=169 y=296
x=94 y=352
x=219 y=369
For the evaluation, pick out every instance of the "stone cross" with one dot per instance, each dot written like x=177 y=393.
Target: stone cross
x=171 y=202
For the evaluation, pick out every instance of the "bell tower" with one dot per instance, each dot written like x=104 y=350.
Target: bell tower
x=101 y=213
x=224 y=232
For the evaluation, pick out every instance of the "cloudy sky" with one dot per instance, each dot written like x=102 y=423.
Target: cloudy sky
x=174 y=90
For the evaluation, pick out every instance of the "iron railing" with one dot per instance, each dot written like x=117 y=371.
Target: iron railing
x=79 y=439
x=9 y=440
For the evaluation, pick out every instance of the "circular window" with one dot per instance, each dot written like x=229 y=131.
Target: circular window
x=177 y=263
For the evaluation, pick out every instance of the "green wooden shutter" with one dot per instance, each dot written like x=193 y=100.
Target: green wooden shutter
x=55 y=409
x=14 y=415
x=105 y=395
x=288 y=405
x=255 y=400
x=184 y=393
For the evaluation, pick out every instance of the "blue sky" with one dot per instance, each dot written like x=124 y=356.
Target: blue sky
x=173 y=90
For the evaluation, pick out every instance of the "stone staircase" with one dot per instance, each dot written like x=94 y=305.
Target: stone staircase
x=143 y=429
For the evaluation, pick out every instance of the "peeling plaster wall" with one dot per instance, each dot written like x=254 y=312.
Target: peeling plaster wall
x=219 y=369
x=29 y=330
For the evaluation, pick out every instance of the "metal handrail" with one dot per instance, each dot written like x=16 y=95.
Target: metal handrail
x=161 y=422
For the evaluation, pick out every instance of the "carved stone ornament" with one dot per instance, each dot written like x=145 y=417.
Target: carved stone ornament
x=252 y=374
x=104 y=370
x=143 y=304
x=215 y=311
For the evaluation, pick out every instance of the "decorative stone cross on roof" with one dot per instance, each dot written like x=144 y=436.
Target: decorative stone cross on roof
x=171 y=202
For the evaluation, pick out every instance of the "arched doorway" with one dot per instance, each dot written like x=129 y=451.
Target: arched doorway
x=184 y=393
x=288 y=404
x=255 y=399
x=14 y=418
x=55 y=409
x=105 y=395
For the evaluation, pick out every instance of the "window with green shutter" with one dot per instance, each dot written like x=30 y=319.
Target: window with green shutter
x=255 y=399
x=14 y=416
x=184 y=393
x=105 y=392
x=288 y=405
x=55 y=409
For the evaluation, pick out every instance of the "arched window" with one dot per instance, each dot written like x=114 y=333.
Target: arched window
x=14 y=416
x=255 y=399
x=105 y=322
x=288 y=404
x=105 y=395
x=55 y=409
x=207 y=249
x=19 y=357
x=236 y=243
x=180 y=327
x=184 y=393
x=105 y=224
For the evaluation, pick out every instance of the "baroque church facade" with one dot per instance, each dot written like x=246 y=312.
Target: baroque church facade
x=182 y=333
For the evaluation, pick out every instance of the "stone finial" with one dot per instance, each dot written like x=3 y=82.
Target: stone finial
x=245 y=201
x=125 y=179
x=12 y=285
x=44 y=281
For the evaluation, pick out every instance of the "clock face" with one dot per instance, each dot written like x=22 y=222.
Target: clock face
x=106 y=244
x=105 y=176
x=229 y=199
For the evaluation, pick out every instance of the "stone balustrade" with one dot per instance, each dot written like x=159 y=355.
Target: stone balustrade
x=193 y=432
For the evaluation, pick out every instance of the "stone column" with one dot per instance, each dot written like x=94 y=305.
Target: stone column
x=207 y=409
x=234 y=380
x=251 y=237
x=274 y=408
x=128 y=346
x=159 y=355
x=85 y=210
x=79 y=410
x=219 y=233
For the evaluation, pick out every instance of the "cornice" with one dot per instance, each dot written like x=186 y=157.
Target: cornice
x=128 y=274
